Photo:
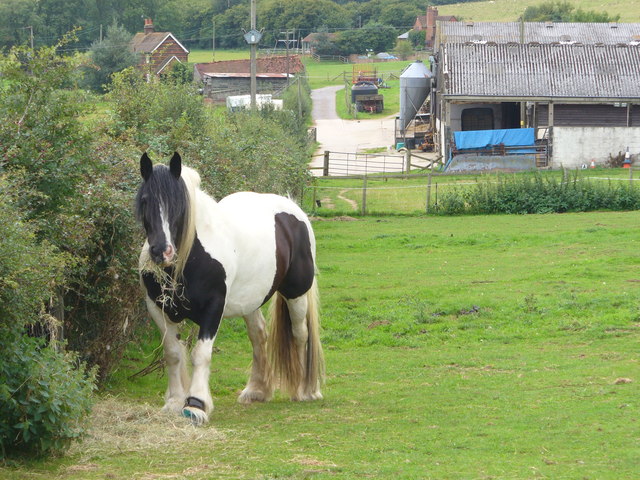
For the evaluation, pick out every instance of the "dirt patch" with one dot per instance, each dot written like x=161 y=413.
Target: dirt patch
x=352 y=203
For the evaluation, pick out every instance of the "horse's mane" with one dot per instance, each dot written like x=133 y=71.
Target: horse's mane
x=191 y=180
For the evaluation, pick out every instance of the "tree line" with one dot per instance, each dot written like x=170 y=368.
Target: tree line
x=46 y=21
x=195 y=23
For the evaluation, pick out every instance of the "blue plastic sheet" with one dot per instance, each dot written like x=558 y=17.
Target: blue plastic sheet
x=511 y=137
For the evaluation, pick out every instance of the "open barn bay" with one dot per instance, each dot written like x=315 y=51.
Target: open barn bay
x=457 y=347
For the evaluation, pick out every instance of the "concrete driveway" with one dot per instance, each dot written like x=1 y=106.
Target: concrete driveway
x=348 y=136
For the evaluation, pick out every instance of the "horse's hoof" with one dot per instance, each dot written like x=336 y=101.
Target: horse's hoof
x=251 y=396
x=198 y=417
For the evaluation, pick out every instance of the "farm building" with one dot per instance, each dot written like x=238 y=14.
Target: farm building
x=538 y=32
x=429 y=22
x=580 y=103
x=157 y=51
x=232 y=77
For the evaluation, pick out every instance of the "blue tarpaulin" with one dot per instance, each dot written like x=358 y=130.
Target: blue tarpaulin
x=511 y=137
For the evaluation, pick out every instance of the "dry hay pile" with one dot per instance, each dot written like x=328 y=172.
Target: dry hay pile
x=118 y=427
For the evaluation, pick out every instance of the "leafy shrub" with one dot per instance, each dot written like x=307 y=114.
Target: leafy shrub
x=44 y=394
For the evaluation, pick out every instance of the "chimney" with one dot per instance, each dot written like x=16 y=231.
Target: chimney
x=148 y=26
x=430 y=30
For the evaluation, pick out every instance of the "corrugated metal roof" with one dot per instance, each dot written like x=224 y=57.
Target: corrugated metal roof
x=516 y=70
x=541 y=32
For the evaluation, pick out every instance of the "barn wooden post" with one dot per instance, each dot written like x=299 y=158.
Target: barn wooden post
x=325 y=167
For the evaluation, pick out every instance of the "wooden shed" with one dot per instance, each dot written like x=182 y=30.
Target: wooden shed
x=232 y=77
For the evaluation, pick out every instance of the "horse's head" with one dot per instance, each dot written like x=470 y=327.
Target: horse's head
x=162 y=206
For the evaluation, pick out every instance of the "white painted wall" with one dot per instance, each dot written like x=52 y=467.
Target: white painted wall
x=575 y=146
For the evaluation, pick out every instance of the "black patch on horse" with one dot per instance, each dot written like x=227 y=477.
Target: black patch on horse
x=200 y=297
x=294 y=263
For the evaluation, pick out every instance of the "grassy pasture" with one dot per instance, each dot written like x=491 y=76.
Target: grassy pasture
x=457 y=347
x=511 y=10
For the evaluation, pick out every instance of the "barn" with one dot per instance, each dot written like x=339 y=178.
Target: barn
x=232 y=77
x=157 y=51
x=503 y=103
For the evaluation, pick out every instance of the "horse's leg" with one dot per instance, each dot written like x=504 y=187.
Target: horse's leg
x=174 y=356
x=199 y=403
x=309 y=386
x=259 y=387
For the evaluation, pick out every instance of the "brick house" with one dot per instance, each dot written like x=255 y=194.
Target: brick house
x=428 y=23
x=157 y=51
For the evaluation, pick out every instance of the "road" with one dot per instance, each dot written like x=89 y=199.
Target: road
x=337 y=135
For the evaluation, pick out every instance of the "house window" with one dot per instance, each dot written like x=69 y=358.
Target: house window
x=477 y=119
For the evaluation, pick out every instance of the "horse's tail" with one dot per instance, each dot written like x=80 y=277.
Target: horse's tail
x=301 y=381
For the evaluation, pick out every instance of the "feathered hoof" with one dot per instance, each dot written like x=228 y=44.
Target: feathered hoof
x=251 y=396
x=198 y=417
x=307 y=396
x=173 y=406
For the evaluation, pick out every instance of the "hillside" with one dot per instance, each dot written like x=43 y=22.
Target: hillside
x=510 y=10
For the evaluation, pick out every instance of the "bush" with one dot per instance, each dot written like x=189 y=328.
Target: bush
x=44 y=394
x=537 y=193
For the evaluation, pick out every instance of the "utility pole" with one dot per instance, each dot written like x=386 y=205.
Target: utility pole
x=253 y=49
x=286 y=42
x=214 y=39
x=30 y=34
x=100 y=33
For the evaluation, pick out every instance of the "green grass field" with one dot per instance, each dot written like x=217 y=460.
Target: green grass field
x=511 y=10
x=457 y=348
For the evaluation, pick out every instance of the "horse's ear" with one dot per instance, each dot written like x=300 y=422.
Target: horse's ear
x=175 y=165
x=146 y=167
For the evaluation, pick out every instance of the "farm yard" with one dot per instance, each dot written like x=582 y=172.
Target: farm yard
x=457 y=347
x=474 y=325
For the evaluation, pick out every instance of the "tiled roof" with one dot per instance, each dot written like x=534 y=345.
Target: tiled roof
x=541 y=70
x=264 y=65
x=148 y=42
x=541 y=32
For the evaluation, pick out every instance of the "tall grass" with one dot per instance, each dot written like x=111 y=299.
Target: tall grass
x=538 y=193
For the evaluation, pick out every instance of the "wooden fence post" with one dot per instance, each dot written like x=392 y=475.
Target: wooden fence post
x=428 y=191
x=407 y=161
x=325 y=168
x=364 y=195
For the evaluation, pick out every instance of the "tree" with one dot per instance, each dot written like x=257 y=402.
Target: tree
x=417 y=38
x=111 y=55
x=562 y=11
x=373 y=36
x=229 y=26
x=303 y=16
x=403 y=49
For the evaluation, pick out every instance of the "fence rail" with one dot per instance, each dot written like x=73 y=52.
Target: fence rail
x=342 y=164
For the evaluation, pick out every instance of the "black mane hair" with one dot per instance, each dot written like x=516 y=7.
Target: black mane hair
x=163 y=186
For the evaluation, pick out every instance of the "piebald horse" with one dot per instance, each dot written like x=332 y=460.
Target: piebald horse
x=205 y=260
